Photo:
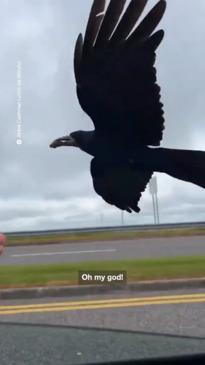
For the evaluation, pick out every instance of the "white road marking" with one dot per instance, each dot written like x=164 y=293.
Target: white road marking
x=62 y=253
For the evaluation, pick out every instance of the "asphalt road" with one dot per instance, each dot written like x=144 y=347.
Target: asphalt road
x=79 y=340
x=109 y=250
x=179 y=312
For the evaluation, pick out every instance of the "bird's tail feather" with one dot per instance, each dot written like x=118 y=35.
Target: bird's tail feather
x=185 y=165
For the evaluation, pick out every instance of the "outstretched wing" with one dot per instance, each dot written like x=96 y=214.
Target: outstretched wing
x=119 y=184
x=115 y=74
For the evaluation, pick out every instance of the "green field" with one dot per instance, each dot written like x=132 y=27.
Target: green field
x=67 y=274
x=101 y=236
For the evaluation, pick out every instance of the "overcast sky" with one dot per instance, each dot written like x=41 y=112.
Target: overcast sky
x=41 y=188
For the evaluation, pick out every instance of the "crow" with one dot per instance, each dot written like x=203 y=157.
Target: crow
x=117 y=87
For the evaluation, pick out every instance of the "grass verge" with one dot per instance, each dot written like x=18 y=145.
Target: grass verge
x=67 y=274
x=102 y=236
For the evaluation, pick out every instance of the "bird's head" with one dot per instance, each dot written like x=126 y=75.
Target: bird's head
x=70 y=140
x=80 y=139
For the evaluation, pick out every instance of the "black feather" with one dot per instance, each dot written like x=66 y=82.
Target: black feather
x=154 y=41
x=128 y=21
x=149 y=23
x=110 y=20
x=78 y=57
x=93 y=25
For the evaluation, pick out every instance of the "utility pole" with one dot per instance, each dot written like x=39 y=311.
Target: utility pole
x=153 y=191
x=122 y=218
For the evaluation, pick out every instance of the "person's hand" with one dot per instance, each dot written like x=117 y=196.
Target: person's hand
x=2 y=242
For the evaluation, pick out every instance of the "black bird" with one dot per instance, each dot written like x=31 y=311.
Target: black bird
x=117 y=88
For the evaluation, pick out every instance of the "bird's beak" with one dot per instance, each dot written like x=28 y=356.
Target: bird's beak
x=63 y=141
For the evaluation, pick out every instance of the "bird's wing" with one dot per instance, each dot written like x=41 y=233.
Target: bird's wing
x=115 y=74
x=119 y=184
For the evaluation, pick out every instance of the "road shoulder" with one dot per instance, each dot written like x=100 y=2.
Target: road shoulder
x=78 y=290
